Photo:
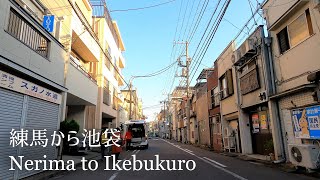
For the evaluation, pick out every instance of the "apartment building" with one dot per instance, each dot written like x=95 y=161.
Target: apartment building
x=132 y=104
x=294 y=29
x=213 y=97
x=95 y=47
x=109 y=75
x=75 y=33
x=231 y=124
x=174 y=107
x=32 y=82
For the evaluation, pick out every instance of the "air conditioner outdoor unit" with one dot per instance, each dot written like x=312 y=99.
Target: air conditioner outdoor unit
x=305 y=155
x=247 y=49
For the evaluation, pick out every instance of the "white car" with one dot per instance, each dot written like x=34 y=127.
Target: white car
x=139 y=137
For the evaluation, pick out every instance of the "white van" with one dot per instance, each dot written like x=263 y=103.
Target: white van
x=139 y=136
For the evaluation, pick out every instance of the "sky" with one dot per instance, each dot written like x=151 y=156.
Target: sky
x=149 y=36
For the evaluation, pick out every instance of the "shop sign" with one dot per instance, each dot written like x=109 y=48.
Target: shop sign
x=17 y=84
x=263 y=121
x=306 y=122
x=255 y=123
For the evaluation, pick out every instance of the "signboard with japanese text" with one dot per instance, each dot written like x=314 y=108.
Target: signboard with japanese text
x=255 y=123
x=306 y=122
x=17 y=84
x=263 y=121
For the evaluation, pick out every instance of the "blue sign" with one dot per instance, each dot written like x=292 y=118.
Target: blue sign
x=48 y=22
x=306 y=122
x=313 y=116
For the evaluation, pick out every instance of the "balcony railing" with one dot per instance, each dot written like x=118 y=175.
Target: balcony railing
x=75 y=62
x=22 y=30
x=100 y=10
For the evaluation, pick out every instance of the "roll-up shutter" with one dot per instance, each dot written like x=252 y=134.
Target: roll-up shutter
x=11 y=105
x=40 y=115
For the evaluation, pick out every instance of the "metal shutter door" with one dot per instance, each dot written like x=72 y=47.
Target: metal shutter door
x=40 y=115
x=11 y=105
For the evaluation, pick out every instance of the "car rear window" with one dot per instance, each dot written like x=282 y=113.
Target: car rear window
x=137 y=130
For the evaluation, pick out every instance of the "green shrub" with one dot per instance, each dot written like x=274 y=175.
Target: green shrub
x=69 y=125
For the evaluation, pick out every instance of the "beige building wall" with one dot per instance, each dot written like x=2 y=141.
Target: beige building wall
x=224 y=63
x=294 y=65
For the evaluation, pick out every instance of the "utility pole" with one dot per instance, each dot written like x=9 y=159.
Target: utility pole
x=130 y=91
x=164 y=113
x=186 y=75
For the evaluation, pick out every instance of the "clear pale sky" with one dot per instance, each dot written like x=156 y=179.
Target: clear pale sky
x=148 y=36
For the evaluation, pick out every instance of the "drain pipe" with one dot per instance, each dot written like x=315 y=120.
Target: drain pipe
x=268 y=42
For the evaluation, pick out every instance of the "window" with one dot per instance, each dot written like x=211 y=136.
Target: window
x=212 y=99
x=226 y=84
x=216 y=96
x=295 y=32
x=22 y=30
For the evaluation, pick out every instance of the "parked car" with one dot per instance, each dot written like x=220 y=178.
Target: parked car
x=139 y=137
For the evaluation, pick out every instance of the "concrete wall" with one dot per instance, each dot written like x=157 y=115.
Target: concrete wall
x=77 y=113
x=275 y=9
x=203 y=118
x=81 y=86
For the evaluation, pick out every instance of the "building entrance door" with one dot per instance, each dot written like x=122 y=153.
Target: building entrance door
x=261 y=133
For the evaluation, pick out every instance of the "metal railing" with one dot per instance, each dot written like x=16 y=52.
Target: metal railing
x=23 y=31
x=100 y=10
x=75 y=62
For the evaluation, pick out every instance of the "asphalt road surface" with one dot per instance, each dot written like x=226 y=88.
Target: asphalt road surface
x=209 y=165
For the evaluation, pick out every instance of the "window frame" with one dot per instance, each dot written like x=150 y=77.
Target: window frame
x=309 y=29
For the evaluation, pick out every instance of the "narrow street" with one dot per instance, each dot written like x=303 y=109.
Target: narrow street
x=209 y=165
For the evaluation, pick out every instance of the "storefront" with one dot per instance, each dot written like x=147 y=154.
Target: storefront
x=262 y=142
x=28 y=106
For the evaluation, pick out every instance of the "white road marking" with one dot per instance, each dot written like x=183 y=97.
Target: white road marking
x=188 y=150
x=116 y=173
x=222 y=165
x=213 y=164
x=223 y=169
x=114 y=176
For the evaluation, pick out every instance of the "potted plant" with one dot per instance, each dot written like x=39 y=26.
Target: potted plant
x=65 y=127
x=269 y=148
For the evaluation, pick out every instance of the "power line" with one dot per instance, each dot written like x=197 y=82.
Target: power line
x=157 y=72
x=142 y=8
x=222 y=13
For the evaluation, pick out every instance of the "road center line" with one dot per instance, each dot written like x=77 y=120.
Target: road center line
x=222 y=165
x=213 y=164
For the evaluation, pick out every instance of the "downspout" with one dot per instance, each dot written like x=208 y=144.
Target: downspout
x=268 y=42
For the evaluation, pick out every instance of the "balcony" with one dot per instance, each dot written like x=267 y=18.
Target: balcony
x=100 y=10
x=82 y=86
x=23 y=31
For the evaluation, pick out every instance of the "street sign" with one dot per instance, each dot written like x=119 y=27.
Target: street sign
x=48 y=22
